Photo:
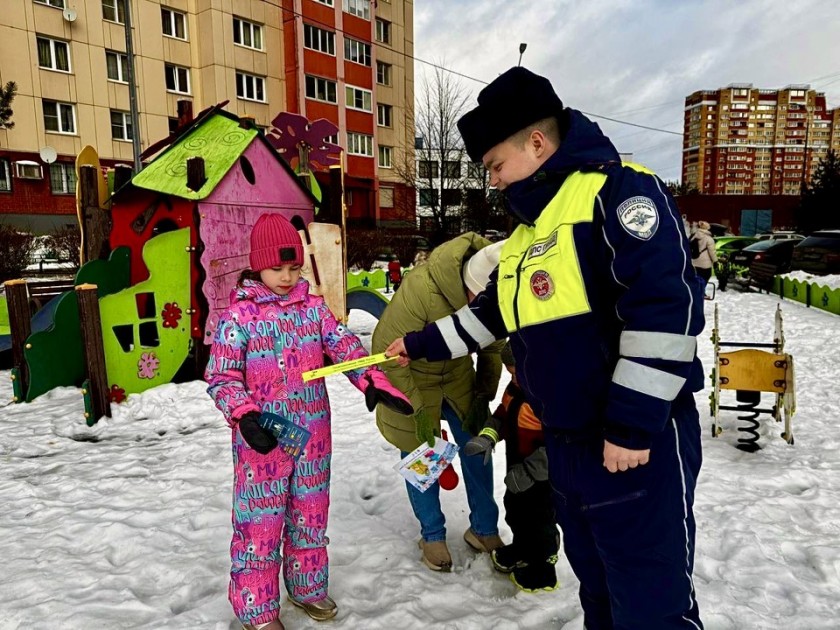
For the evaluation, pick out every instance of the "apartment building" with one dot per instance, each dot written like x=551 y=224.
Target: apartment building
x=69 y=60
x=350 y=61
x=741 y=140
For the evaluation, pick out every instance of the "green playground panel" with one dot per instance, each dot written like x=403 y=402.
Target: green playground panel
x=4 y=317
x=368 y=279
x=55 y=356
x=146 y=327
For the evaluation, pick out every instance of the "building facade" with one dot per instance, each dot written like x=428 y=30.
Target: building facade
x=68 y=58
x=740 y=140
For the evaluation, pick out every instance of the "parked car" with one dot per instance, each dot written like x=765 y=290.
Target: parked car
x=818 y=254
x=744 y=258
x=730 y=244
x=772 y=260
x=769 y=236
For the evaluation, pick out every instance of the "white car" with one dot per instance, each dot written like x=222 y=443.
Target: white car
x=776 y=236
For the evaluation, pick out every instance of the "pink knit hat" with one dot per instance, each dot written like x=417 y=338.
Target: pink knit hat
x=275 y=242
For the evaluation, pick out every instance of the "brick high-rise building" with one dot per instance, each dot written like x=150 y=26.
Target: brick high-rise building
x=744 y=140
x=68 y=58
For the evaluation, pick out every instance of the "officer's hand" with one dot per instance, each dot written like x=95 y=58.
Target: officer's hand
x=619 y=459
x=397 y=349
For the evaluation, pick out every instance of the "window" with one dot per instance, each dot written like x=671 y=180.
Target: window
x=121 y=126
x=177 y=78
x=451 y=169
x=360 y=8
x=384 y=157
x=475 y=170
x=357 y=98
x=427 y=169
x=318 y=39
x=383 y=115
x=386 y=197
x=5 y=176
x=321 y=89
x=356 y=51
x=451 y=197
x=174 y=23
x=250 y=87
x=428 y=196
x=173 y=125
x=329 y=3
x=62 y=178
x=58 y=4
x=117 y=64
x=25 y=169
x=383 y=73
x=59 y=117
x=359 y=144
x=247 y=34
x=114 y=11
x=53 y=54
x=383 y=31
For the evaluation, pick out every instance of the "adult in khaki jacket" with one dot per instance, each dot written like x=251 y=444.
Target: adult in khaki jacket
x=452 y=390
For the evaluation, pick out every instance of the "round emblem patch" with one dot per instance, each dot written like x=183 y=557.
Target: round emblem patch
x=542 y=285
x=639 y=217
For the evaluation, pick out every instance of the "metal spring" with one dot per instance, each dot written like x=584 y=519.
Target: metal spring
x=749 y=442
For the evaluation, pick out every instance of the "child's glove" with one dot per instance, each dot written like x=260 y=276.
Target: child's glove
x=258 y=438
x=477 y=415
x=483 y=443
x=378 y=389
x=424 y=428
x=522 y=476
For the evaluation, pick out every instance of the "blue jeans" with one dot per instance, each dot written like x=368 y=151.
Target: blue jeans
x=478 y=478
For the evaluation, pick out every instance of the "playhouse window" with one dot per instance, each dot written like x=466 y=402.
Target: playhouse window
x=62 y=178
x=247 y=34
x=250 y=87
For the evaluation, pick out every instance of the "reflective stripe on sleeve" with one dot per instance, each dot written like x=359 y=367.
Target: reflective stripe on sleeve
x=657 y=345
x=474 y=328
x=456 y=345
x=647 y=380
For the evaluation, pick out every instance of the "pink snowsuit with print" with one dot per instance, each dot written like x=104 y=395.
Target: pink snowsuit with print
x=263 y=344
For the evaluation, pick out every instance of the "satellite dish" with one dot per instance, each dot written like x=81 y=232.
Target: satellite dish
x=48 y=154
x=69 y=14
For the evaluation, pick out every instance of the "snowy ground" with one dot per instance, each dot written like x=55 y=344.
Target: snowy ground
x=127 y=524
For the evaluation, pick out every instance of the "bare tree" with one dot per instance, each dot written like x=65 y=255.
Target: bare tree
x=7 y=95
x=439 y=153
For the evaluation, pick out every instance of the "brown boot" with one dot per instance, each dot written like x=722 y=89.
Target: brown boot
x=482 y=544
x=436 y=555
x=271 y=625
x=321 y=610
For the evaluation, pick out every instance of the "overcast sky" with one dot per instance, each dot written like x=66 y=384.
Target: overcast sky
x=636 y=60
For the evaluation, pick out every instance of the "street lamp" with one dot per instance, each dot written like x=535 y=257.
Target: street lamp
x=522 y=48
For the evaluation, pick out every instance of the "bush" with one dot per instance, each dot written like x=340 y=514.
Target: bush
x=15 y=251
x=64 y=243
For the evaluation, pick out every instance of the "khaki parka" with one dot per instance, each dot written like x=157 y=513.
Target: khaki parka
x=430 y=292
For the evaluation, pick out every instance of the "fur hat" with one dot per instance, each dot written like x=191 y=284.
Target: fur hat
x=513 y=101
x=479 y=266
x=275 y=242
x=703 y=225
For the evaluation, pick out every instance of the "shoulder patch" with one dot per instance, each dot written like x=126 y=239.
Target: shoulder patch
x=639 y=217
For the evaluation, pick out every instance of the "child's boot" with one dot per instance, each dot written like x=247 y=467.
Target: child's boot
x=436 y=555
x=536 y=577
x=506 y=559
x=482 y=544
x=321 y=610
x=271 y=625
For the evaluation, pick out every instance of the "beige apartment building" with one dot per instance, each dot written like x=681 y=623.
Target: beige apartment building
x=744 y=140
x=68 y=58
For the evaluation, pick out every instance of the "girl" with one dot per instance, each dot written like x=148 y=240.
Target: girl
x=273 y=331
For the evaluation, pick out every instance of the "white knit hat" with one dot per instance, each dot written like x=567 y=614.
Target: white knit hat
x=478 y=268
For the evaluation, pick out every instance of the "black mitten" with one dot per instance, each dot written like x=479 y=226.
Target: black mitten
x=258 y=438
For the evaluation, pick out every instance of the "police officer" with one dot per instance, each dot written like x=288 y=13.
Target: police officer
x=596 y=290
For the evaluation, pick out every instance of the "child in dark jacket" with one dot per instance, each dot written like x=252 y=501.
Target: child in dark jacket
x=531 y=557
